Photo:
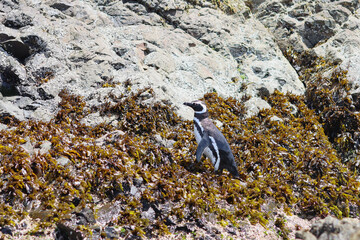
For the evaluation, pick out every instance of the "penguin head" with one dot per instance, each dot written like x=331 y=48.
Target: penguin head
x=198 y=106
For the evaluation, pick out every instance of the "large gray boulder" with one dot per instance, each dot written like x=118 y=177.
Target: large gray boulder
x=330 y=28
x=331 y=228
x=97 y=48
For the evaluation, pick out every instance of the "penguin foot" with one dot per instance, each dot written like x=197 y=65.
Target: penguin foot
x=219 y=172
x=193 y=167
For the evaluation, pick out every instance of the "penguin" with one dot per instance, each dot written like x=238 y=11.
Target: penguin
x=211 y=141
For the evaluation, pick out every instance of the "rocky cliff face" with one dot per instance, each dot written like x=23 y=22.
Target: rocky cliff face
x=181 y=50
x=92 y=48
x=105 y=51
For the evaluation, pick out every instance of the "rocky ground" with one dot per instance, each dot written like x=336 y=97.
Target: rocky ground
x=95 y=141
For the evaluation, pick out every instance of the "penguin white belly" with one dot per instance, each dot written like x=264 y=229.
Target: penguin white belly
x=208 y=153
x=197 y=135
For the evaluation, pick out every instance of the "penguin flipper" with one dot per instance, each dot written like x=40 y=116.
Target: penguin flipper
x=204 y=142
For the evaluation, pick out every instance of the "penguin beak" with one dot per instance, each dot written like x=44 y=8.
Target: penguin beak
x=188 y=104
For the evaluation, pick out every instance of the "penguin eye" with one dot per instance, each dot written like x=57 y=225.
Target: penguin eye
x=198 y=108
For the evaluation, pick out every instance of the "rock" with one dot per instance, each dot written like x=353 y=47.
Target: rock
x=111 y=233
x=168 y=143
x=276 y=119
x=352 y=5
x=149 y=214
x=28 y=147
x=8 y=109
x=318 y=28
x=4 y=37
x=331 y=228
x=85 y=217
x=60 y=6
x=231 y=229
x=3 y=126
x=171 y=221
x=254 y=105
x=331 y=28
x=134 y=191
x=343 y=47
x=161 y=61
x=188 y=227
x=269 y=8
x=65 y=232
x=7 y=230
x=355 y=235
x=252 y=60
x=45 y=147
x=340 y=14
x=200 y=51
x=16 y=48
x=44 y=113
x=108 y=212
x=16 y=19
x=138 y=180
x=62 y=160
x=110 y=138
x=25 y=103
x=305 y=235
x=8 y=5
x=12 y=74
x=35 y=43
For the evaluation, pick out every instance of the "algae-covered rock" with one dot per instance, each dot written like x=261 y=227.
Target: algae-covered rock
x=126 y=178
